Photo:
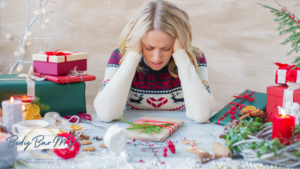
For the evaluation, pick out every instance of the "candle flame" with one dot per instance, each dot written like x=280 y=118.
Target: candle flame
x=11 y=99
x=283 y=113
x=23 y=107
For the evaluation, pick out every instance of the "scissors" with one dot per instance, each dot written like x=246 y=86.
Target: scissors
x=83 y=118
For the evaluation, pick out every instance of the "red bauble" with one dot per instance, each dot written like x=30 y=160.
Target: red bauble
x=68 y=152
x=240 y=108
x=232 y=116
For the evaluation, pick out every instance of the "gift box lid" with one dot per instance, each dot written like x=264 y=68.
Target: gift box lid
x=70 y=56
x=279 y=90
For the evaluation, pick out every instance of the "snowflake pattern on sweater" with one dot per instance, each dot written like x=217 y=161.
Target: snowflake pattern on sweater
x=154 y=90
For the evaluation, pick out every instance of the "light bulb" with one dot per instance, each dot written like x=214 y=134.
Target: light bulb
x=36 y=12
x=16 y=53
x=44 y=11
x=22 y=51
x=47 y=20
x=43 y=27
x=25 y=38
x=29 y=33
x=28 y=43
x=8 y=36
x=19 y=68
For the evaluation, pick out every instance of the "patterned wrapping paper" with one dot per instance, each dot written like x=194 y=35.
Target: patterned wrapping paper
x=259 y=100
x=164 y=133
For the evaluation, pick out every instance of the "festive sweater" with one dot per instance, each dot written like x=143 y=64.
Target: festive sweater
x=125 y=88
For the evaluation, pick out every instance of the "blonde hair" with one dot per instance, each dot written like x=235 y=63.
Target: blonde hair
x=163 y=16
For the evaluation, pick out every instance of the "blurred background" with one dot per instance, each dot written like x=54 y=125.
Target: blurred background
x=238 y=37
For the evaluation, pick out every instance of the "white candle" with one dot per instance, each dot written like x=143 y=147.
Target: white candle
x=12 y=112
x=8 y=154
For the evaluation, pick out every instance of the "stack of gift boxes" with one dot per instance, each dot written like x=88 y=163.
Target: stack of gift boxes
x=63 y=88
x=282 y=95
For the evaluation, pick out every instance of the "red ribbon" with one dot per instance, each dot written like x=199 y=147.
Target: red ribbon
x=286 y=66
x=57 y=53
x=154 y=122
x=244 y=96
x=249 y=112
x=291 y=75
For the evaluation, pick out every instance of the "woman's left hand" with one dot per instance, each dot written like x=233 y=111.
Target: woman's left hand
x=177 y=45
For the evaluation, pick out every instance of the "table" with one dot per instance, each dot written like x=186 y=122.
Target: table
x=206 y=134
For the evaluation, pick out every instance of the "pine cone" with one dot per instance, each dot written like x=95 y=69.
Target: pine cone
x=229 y=126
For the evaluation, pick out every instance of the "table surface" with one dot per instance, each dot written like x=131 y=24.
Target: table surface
x=205 y=134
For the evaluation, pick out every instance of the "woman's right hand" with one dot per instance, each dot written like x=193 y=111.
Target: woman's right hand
x=137 y=47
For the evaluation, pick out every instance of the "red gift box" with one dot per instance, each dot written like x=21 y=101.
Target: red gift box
x=285 y=74
x=275 y=98
x=59 y=63
x=67 y=78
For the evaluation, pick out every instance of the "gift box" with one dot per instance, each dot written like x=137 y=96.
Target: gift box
x=247 y=98
x=59 y=63
x=66 y=99
x=164 y=133
x=275 y=99
x=67 y=78
x=285 y=74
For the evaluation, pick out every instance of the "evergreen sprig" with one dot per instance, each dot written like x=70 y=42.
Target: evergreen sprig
x=288 y=24
x=149 y=128
x=249 y=127
x=43 y=107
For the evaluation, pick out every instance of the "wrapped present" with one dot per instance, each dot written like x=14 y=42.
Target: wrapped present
x=281 y=96
x=62 y=98
x=231 y=110
x=285 y=74
x=67 y=78
x=164 y=133
x=59 y=63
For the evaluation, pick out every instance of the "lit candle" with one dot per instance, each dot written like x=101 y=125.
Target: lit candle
x=283 y=126
x=24 y=114
x=8 y=155
x=12 y=112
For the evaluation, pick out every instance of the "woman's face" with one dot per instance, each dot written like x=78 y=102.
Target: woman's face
x=157 y=49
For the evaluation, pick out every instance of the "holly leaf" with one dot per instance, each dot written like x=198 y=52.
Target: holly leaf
x=257 y=119
x=262 y=143
x=258 y=154
x=264 y=149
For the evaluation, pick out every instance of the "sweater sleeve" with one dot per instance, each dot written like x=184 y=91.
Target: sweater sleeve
x=199 y=101
x=111 y=98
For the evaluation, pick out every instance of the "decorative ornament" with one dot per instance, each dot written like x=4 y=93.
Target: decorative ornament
x=16 y=53
x=8 y=36
x=19 y=68
x=43 y=27
x=68 y=152
x=29 y=33
x=28 y=43
x=115 y=139
x=47 y=20
x=44 y=11
x=128 y=156
x=22 y=51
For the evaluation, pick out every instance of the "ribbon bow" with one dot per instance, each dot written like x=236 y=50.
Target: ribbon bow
x=74 y=73
x=286 y=66
x=57 y=53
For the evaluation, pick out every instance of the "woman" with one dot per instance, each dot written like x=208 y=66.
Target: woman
x=155 y=67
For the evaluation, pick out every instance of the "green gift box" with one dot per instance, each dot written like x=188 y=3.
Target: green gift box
x=247 y=98
x=66 y=99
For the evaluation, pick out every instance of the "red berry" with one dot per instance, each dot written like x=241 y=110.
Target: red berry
x=133 y=140
x=165 y=149
x=240 y=108
x=232 y=116
x=232 y=120
x=232 y=112
x=142 y=144
x=142 y=140
x=293 y=17
x=141 y=161
x=232 y=108
x=165 y=154
x=156 y=151
x=295 y=21
x=143 y=150
x=229 y=112
x=152 y=144
x=163 y=161
x=127 y=142
x=298 y=21
x=154 y=154
x=220 y=135
x=297 y=136
x=290 y=16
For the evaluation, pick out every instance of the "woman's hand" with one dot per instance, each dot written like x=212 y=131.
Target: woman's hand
x=177 y=45
x=137 y=47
